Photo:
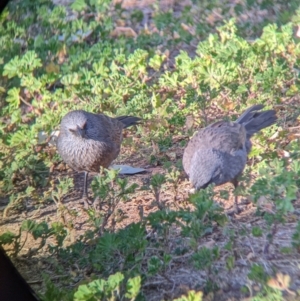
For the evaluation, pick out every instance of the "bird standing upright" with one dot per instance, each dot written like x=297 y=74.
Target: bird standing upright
x=88 y=141
x=218 y=153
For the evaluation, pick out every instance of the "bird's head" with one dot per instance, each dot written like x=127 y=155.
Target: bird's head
x=79 y=130
x=75 y=123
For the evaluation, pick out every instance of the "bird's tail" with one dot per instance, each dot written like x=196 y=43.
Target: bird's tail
x=254 y=121
x=129 y=120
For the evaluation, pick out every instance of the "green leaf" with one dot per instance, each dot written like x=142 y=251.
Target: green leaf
x=13 y=98
x=30 y=61
x=192 y=296
x=257 y=231
x=7 y=238
x=79 y=5
x=133 y=287
x=12 y=68
x=114 y=280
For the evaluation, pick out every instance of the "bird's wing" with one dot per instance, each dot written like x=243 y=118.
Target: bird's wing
x=109 y=129
x=206 y=167
x=215 y=166
x=249 y=113
x=222 y=136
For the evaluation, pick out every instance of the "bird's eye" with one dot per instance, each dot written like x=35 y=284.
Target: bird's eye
x=219 y=124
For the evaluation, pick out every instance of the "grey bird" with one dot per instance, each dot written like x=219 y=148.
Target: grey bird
x=218 y=153
x=88 y=141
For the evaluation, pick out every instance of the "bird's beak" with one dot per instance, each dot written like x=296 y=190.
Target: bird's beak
x=78 y=131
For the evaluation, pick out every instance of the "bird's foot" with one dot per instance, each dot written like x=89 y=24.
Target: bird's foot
x=235 y=209
x=86 y=202
x=232 y=212
x=96 y=203
x=89 y=204
x=236 y=203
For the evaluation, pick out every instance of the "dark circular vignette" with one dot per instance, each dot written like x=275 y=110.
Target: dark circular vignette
x=3 y=3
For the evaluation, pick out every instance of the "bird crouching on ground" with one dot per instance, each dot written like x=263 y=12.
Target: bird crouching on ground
x=88 y=141
x=218 y=153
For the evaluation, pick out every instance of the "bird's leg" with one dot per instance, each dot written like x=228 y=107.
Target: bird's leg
x=85 y=191
x=97 y=201
x=235 y=183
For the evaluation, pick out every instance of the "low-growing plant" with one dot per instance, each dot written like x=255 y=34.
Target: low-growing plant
x=156 y=184
x=277 y=187
x=173 y=177
x=39 y=232
x=121 y=251
x=110 y=289
x=201 y=220
x=109 y=190
x=191 y=296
